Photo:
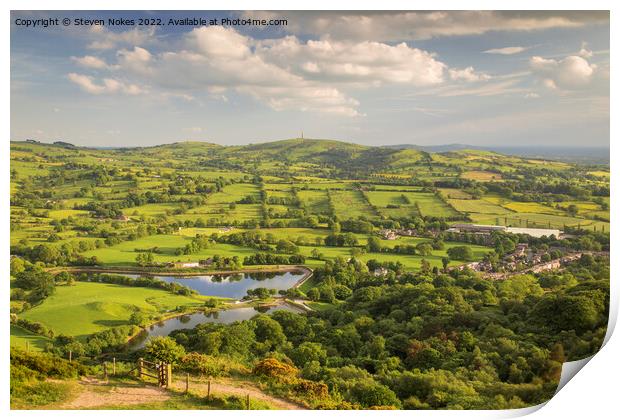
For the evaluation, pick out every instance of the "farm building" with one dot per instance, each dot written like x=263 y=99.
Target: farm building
x=206 y=262
x=186 y=264
x=388 y=234
x=488 y=229
x=536 y=233
x=381 y=271
x=520 y=250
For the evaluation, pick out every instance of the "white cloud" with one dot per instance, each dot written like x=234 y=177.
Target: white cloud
x=104 y=39
x=506 y=50
x=137 y=60
x=90 y=61
x=86 y=83
x=571 y=72
x=369 y=62
x=503 y=87
x=468 y=75
x=284 y=73
x=305 y=98
x=107 y=85
x=220 y=42
x=216 y=59
x=585 y=52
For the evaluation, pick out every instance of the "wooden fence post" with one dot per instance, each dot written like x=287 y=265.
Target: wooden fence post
x=105 y=371
x=209 y=388
x=247 y=401
x=114 y=366
x=186 y=383
x=140 y=367
x=70 y=356
x=168 y=375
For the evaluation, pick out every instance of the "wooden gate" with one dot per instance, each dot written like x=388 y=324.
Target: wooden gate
x=157 y=370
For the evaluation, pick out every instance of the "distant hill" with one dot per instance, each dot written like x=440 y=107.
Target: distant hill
x=64 y=144
x=434 y=149
x=306 y=149
x=337 y=154
x=595 y=155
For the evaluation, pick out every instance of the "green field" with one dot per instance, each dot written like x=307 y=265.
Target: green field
x=481 y=175
x=125 y=253
x=431 y=205
x=455 y=193
x=350 y=204
x=315 y=201
x=477 y=206
x=535 y=220
x=518 y=207
x=86 y=308
x=25 y=339
x=393 y=203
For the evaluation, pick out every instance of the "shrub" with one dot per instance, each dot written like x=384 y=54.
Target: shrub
x=165 y=349
x=204 y=365
x=273 y=368
x=374 y=395
x=30 y=365
x=311 y=389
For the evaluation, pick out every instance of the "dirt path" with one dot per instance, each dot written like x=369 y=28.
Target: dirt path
x=99 y=393
x=230 y=388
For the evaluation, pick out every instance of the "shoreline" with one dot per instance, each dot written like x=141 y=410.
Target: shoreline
x=308 y=272
x=135 y=270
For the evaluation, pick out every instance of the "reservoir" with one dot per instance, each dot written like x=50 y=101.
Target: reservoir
x=234 y=285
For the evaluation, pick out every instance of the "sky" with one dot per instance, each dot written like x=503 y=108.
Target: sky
x=376 y=78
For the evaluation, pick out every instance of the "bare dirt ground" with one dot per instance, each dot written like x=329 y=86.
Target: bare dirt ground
x=225 y=387
x=98 y=393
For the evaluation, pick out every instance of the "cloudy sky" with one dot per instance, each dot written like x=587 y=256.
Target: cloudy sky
x=481 y=78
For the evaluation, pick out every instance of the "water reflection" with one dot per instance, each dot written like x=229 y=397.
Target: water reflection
x=233 y=285
x=164 y=328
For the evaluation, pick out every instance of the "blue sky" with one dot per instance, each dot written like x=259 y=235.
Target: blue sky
x=481 y=78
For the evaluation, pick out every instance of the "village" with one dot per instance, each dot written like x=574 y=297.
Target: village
x=522 y=260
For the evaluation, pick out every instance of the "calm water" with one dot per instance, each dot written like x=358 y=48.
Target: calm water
x=190 y=321
x=233 y=285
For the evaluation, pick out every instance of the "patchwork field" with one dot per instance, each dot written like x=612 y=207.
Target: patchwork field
x=290 y=191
